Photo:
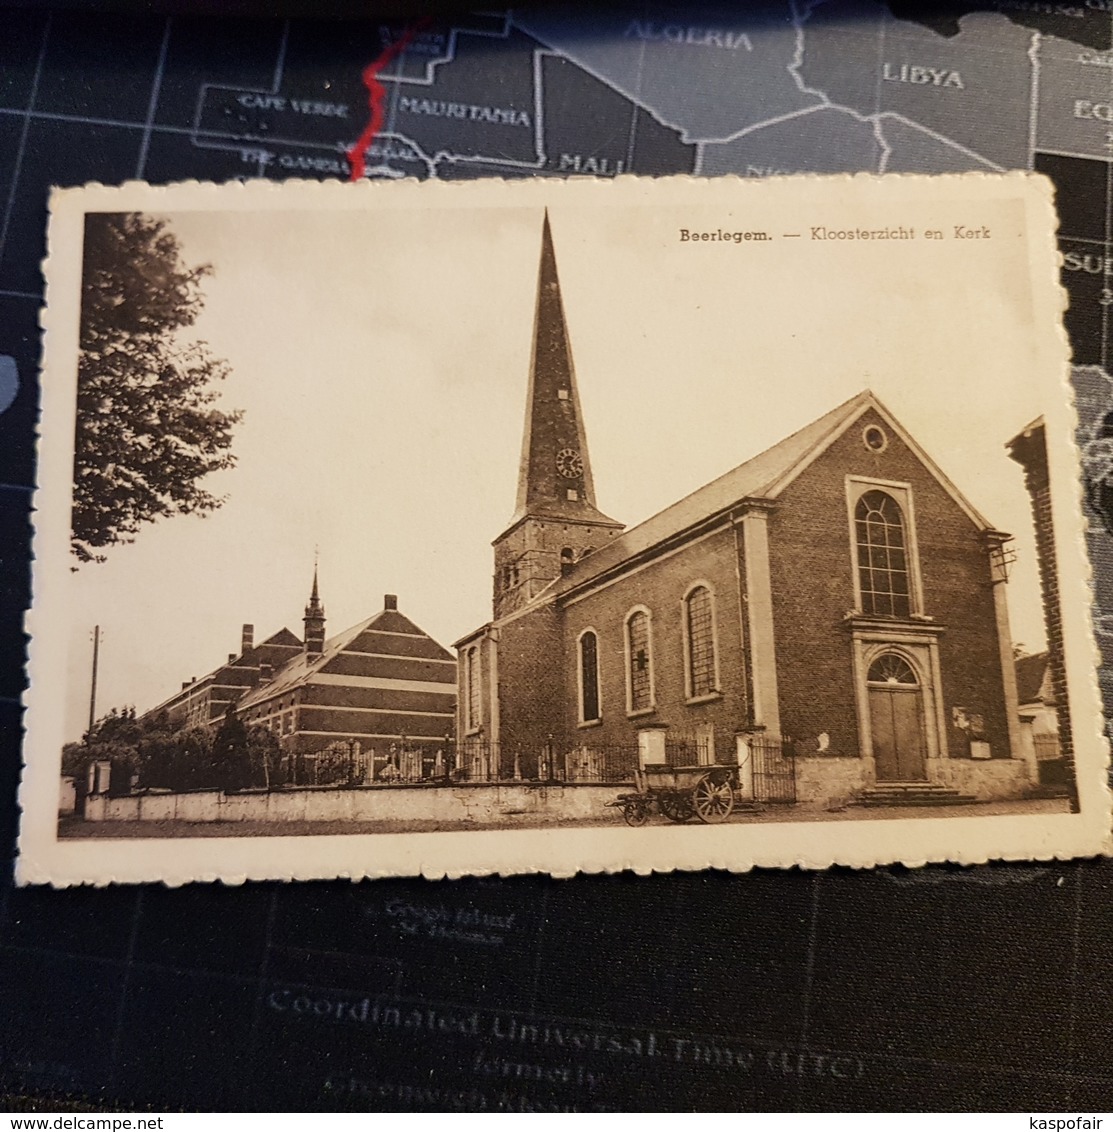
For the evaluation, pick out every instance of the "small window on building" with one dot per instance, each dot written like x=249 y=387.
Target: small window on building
x=700 y=628
x=573 y=494
x=882 y=556
x=639 y=660
x=567 y=559
x=562 y=394
x=589 y=678
x=874 y=438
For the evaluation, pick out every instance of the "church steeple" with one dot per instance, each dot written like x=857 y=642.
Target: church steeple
x=554 y=476
x=314 y=621
x=556 y=521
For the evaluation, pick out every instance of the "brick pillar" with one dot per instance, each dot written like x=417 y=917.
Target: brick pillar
x=1029 y=450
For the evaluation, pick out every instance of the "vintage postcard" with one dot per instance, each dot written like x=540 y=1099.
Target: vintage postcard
x=401 y=528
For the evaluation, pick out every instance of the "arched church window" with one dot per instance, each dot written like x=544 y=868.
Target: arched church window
x=882 y=556
x=700 y=628
x=471 y=689
x=639 y=662
x=589 y=678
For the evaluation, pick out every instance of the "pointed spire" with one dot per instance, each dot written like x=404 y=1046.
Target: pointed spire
x=554 y=476
x=314 y=619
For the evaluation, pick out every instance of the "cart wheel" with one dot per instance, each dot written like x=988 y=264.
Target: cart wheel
x=676 y=807
x=634 y=812
x=713 y=799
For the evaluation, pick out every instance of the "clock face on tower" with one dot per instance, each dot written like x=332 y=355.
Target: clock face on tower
x=569 y=463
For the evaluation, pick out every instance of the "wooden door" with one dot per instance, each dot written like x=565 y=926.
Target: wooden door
x=897 y=729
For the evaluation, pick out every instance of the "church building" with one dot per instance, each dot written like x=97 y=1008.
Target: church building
x=831 y=614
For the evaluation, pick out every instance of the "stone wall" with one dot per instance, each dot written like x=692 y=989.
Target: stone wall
x=501 y=804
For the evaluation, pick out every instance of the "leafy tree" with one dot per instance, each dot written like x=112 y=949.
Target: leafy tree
x=114 y=738
x=150 y=754
x=181 y=760
x=232 y=753
x=147 y=428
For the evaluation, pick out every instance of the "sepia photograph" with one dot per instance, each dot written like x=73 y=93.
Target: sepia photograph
x=537 y=527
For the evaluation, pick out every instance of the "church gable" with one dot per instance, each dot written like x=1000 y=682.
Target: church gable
x=871 y=442
x=872 y=448
x=814 y=532
x=869 y=542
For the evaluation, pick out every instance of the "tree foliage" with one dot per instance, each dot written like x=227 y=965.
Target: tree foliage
x=149 y=753
x=147 y=427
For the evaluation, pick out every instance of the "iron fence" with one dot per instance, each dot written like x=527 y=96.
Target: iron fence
x=479 y=760
x=349 y=764
x=772 y=769
x=767 y=768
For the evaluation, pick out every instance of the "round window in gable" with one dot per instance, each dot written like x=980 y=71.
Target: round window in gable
x=874 y=438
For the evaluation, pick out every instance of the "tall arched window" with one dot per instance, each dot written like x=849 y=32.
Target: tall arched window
x=471 y=680
x=589 y=678
x=883 y=579
x=699 y=625
x=639 y=662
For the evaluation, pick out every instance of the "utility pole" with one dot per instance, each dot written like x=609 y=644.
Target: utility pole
x=93 y=689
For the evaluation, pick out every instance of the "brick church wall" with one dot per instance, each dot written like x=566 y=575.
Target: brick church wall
x=660 y=586
x=532 y=688
x=813 y=585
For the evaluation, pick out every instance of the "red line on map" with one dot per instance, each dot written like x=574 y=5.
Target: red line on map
x=376 y=95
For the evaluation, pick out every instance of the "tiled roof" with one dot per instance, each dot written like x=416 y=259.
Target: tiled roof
x=298 y=670
x=755 y=477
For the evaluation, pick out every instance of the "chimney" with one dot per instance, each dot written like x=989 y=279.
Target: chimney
x=185 y=684
x=390 y=601
x=266 y=672
x=247 y=639
x=231 y=658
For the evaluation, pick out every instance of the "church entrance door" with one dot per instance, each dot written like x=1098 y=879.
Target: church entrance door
x=897 y=720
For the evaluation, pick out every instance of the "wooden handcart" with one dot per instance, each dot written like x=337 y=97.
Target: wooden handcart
x=680 y=793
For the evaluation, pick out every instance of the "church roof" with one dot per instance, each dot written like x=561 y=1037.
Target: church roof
x=764 y=476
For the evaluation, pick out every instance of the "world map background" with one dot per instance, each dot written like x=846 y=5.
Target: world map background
x=944 y=988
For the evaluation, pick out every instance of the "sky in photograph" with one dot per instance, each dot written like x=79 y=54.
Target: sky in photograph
x=380 y=360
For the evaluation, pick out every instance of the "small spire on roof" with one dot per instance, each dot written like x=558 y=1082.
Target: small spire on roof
x=314 y=619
